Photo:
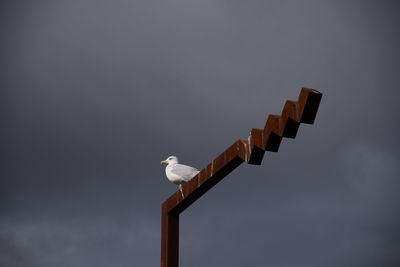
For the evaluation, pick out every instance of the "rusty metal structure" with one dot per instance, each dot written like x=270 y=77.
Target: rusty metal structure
x=251 y=151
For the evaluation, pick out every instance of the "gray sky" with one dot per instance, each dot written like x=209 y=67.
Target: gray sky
x=95 y=93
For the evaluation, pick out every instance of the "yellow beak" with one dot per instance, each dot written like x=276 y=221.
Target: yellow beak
x=163 y=161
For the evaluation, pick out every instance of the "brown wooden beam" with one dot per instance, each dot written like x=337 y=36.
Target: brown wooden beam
x=169 y=239
x=251 y=151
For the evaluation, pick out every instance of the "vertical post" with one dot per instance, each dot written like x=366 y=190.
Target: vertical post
x=169 y=238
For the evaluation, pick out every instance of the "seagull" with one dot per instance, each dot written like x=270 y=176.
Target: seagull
x=178 y=173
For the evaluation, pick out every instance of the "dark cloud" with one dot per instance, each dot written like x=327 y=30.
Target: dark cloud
x=94 y=94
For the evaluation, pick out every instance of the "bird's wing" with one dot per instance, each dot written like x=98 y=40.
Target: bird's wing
x=186 y=172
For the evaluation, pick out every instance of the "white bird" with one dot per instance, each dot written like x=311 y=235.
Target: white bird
x=178 y=173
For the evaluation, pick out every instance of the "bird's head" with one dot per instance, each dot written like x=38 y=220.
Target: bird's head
x=170 y=160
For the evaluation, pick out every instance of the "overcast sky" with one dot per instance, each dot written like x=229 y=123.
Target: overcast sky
x=95 y=93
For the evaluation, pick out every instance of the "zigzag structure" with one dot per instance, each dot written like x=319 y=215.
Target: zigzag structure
x=251 y=151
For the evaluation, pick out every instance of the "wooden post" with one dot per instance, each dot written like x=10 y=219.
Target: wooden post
x=169 y=239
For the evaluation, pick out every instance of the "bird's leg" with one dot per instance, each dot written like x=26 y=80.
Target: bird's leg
x=180 y=189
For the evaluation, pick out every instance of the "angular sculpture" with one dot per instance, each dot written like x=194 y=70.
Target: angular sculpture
x=251 y=151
